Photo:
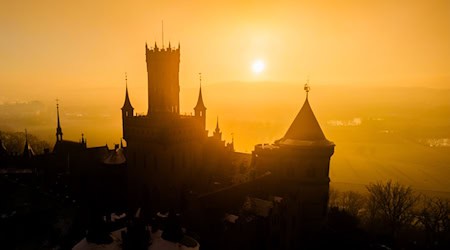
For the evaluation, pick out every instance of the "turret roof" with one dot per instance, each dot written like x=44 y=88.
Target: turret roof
x=305 y=129
x=127 y=103
x=200 y=105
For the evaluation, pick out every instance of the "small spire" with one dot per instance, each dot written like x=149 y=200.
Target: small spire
x=217 y=125
x=59 y=132
x=156 y=46
x=127 y=104
x=82 y=138
x=200 y=105
x=27 y=150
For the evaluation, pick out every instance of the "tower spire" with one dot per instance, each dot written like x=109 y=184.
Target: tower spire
x=59 y=133
x=200 y=109
x=217 y=125
x=217 y=134
x=27 y=150
x=127 y=108
x=200 y=105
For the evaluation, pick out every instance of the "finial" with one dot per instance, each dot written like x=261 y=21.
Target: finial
x=217 y=123
x=200 y=78
x=126 y=79
x=307 y=88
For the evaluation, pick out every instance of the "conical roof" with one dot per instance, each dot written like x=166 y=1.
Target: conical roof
x=305 y=129
x=200 y=105
x=127 y=103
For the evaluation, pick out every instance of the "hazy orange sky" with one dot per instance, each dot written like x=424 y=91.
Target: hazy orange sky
x=51 y=47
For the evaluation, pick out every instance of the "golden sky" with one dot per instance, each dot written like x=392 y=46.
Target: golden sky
x=90 y=44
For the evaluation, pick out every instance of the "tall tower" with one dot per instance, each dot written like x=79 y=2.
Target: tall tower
x=127 y=108
x=200 y=109
x=163 y=79
x=59 y=133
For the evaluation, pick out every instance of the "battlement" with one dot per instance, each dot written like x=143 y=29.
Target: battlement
x=156 y=50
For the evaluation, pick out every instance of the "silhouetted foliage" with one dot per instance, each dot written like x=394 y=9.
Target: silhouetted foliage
x=434 y=217
x=391 y=204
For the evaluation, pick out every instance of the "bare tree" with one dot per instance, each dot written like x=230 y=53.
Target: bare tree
x=434 y=217
x=391 y=204
x=333 y=196
x=352 y=202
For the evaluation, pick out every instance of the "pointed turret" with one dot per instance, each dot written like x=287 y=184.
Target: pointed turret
x=305 y=128
x=200 y=109
x=217 y=134
x=59 y=133
x=127 y=108
x=27 y=150
x=200 y=104
x=217 y=125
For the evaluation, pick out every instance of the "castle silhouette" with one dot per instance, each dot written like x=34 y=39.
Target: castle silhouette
x=172 y=163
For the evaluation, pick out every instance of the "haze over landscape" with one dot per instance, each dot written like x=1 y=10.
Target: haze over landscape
x=378 y=70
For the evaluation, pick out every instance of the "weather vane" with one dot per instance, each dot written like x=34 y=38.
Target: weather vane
x=307 y=88
x=126 y=78
x=200 y=77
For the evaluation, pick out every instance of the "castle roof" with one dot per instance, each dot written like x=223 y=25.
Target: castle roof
x=200 y=105
x=305 y=129
x=127 y=103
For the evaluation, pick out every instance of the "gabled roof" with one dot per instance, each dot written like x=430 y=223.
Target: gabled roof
x=305 y=129
x=200 y=105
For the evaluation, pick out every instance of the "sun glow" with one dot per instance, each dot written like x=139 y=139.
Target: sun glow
x=258 y=66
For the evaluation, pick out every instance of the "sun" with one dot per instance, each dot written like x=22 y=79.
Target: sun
x=258 y=66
